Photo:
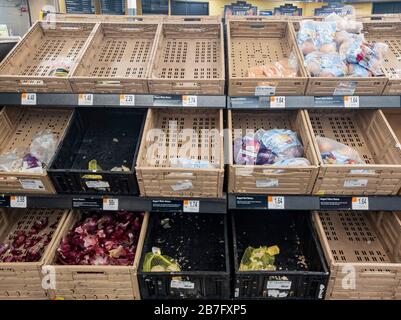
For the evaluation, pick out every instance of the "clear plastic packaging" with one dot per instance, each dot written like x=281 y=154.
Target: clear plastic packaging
x=284 y=68
x=43 y=146
x=334 y=152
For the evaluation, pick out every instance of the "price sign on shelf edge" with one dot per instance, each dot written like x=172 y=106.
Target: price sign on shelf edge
x=360 y=203
x=127 y=100
x=189 y=101
x=28 y=99
x=85 y=99
x=18 y=202
x=110 y=204
x=191 y=206
x=277 y=102
x=276 y=202
x=351 y=101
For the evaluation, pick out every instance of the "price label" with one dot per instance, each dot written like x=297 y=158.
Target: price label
x=18 y=202
x=275 y=202
x=127 y=100
x=265 y=91
x=28 y=99
x=360 y=203
x=277 y=102
x=189 y=101
x=110 y=204
x=191 y=206
x=351 y=101
x=85 y=99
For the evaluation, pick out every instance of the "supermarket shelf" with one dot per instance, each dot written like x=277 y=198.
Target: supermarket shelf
x=261 y=202
x=307 y=102
x=114 y=100
x=130 y=203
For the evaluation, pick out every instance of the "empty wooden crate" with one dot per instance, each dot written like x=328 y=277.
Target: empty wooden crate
x=181 y=153
x=363 y=251
x=271 y=179
x=18 y=127
x=368 y=133
x=33 y=63
x=117 y=59
x=256 y=42
x=189 y=58
x=25 y=280
x=94 y=282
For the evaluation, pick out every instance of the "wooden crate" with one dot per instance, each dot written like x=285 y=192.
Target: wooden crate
x=171 y=134
x=108 y=18
x=268 y=179
x=101 y=282
x=393 y=116
x=189 y=58
x=256 y=42
x=368 y=132
x=326 y=86
x=28 y=67
x=388 y=32
x=23 y=280
x=117 y=59
x=363 y=252
x=18 y=126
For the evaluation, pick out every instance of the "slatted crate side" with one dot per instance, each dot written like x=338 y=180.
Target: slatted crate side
x=24 y=125
x=324 y=86
x=192 y=19
x=189 y=59
x=94 y=282
x=290 y=180
x=257 y=42
x=368 y=132
x=29 y=65
x=23 y=280
x=108 y=18
x=118 y=59
x=165 y=137
x=367 y=251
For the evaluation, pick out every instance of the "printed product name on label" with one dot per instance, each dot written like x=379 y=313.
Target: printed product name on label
x=185 y=185
x=97 y=184
x=355 y=183
x=280 y=285
x=178 y=284
x=269 y=183
x=30 y=184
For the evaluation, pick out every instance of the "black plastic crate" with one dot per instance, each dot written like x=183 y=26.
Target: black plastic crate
x=301 y=270
x=109 y=136
x=199 y=243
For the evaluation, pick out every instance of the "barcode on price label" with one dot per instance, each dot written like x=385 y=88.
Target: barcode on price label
x=85 y=99
x=127 y=100
x=110 y=204
x=191 y=206
x=275 y=202
x=360 y=203
x=351 y=102
x=189 y=101
x=277 y=102
x=28 y=99
x=18 y=202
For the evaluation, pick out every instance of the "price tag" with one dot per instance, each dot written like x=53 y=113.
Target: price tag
x=277 y=102
x=351 y=101
x=189 y=101
x=127 y=100
x=110 y=204
x=360 y=203
x=28 y=99
x=85 y=99
x=275 y=202
x=18 y=202
x=191 y=206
